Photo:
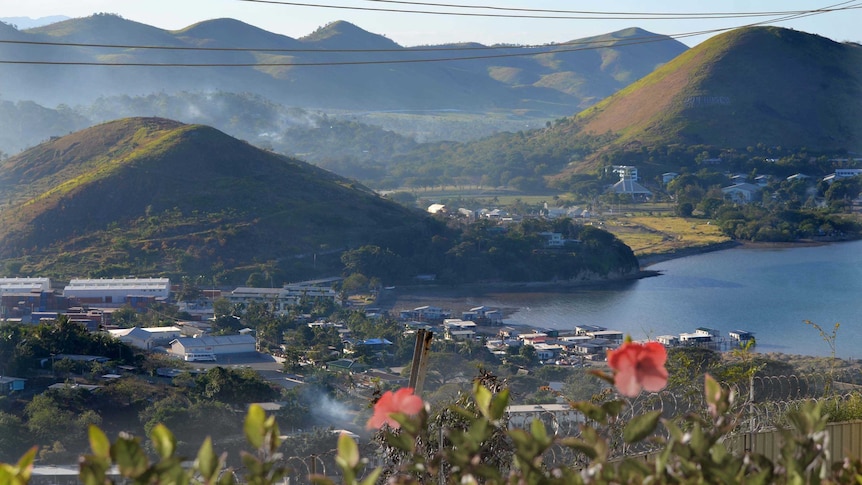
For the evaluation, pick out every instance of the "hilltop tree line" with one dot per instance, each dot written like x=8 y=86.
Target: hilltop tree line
x=485 y=252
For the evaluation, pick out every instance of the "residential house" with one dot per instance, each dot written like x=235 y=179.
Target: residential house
x=614 y=336
x=631 y=188
x=483 y=316
x=587 y=329
x=741 y=335
x=547 y=351
x=346 y=365
x=11 y=384
x=425 y=314
x=437 y=209
x=762 y=180
x=668 y=340
x=741 y=193
x=593 y=349
x=553 y=239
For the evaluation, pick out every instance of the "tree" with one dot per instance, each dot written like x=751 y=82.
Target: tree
x=13 y=435
x=354 y=283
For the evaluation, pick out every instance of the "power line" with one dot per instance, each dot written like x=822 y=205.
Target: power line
x=539 y=13
x=349 y=63
x=548 y=48
x=315 y=50
x=670 y=15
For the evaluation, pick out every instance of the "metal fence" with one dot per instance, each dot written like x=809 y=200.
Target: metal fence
x=761 y=403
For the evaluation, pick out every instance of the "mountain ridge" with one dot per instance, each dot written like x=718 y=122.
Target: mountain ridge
x=326 y=69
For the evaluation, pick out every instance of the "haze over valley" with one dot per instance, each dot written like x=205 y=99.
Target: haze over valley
x=197 y=219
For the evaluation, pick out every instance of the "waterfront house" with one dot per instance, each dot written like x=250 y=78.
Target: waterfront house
x=668 y=340
x=586 y=329
x=741 y=335
x=614 y=336
x=593 y=349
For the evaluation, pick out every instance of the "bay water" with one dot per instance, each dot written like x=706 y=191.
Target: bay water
x=770 y=292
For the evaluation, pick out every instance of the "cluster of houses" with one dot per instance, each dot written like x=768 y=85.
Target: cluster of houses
x=572 y=347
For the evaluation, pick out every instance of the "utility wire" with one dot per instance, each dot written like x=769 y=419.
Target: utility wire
x=400 y=50
x=548 y=48
x=353 y=63
x=630 y=16
x=610 y=15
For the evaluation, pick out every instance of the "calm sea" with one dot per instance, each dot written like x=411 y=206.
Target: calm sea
x=770 y=292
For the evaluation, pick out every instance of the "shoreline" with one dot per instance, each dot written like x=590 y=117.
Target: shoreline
x=461 y=297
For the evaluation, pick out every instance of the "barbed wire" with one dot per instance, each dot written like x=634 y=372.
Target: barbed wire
x=761 y=408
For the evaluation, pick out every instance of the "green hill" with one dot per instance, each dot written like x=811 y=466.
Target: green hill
x=755 y=85
x=760 y=87
x=154 y=196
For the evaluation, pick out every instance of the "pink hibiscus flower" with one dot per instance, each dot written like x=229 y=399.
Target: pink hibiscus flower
x=401 y=401
x=638 y=366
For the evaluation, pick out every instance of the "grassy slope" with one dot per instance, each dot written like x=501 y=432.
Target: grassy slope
x=172 y=198
x=781 y=87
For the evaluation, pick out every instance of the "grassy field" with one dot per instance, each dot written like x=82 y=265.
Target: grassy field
x=655 y=235
x=650 y=229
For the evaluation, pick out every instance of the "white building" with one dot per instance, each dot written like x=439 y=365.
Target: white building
x=282 y=299
x=740 y=193
x=553 y=239
x=147 y=338
x=841 y=173
x=212 y=348
x=117 y=290
x=626 y=172
x=24 y=285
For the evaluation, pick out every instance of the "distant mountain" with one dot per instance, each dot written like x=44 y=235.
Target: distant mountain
x=331 y=67
x=754 y=85
x=29 y=23
x=154 y=196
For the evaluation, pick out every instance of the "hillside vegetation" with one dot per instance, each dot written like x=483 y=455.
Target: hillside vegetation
x=149 y=195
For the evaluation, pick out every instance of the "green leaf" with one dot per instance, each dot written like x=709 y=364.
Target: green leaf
x=99 y=442
x=499 y=404
x=539 y=432
x=227 y=478
x=712 y=391
x=25 y=463
x=163 y=440
x=613 y=408
x=641 y=426
x=402 y=442
x=483 y=400
x=372 y=477
x=580 y=445
x=348 y=450
x=591 y=411
x=207 y=463
x=129 y=457
x=254 y=426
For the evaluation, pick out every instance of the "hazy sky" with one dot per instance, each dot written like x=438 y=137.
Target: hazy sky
x=295 y=19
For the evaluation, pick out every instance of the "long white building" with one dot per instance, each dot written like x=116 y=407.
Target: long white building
x=24 y=285
x=118 y=290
